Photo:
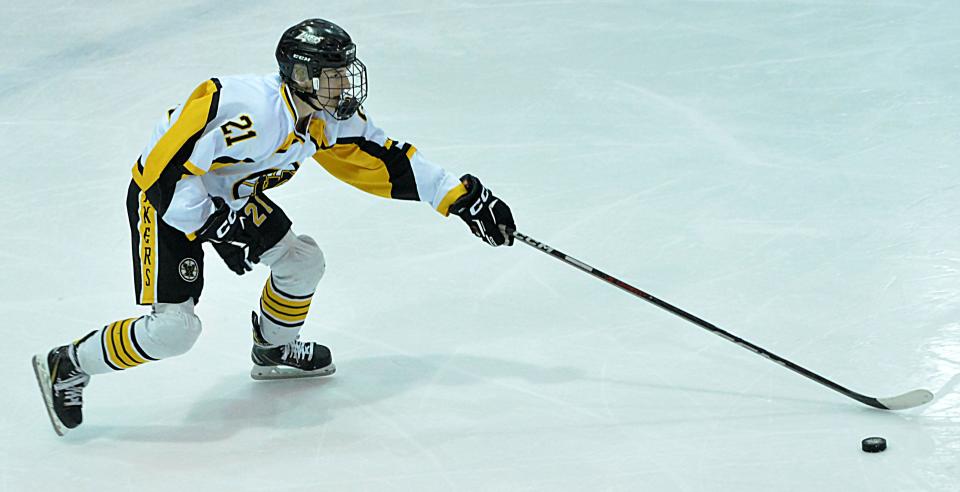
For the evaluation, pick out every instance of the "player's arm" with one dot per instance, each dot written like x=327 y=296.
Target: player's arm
x=208 y=126
x=181 y=147
x=365 y=158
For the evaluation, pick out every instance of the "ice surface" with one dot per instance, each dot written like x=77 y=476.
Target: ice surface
x=784 y=169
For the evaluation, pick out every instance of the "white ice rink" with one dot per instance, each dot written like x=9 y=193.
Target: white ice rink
x=786 y=169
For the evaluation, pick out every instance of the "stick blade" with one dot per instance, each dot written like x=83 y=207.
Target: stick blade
x=907 y=400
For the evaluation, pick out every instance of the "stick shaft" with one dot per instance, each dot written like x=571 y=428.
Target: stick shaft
x=610 y=279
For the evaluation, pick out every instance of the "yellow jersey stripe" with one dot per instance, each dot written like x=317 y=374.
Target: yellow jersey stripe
x=357 y=168
x=200 y=109
x=285 y=95
x=194 y=170
x=148 y=250
x=451 y=196
x=365 y=164
x=285 y=146
x=317 y=133
x=221 y=165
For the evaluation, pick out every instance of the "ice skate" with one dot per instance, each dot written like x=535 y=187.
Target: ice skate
x=61 y=384
x=296 y=359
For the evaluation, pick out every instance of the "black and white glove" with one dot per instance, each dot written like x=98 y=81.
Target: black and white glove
x=233 y=237
x=489 y=217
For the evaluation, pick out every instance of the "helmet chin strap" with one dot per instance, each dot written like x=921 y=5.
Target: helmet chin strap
x=343 y=110
x=310 y=100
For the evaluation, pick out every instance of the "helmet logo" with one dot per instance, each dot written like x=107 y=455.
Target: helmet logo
x=298 y=56
x=306 y=37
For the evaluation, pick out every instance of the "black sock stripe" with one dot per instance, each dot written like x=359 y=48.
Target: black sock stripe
x=85 y=338
x=124 y=346
x=278 y=301
x=103 y=347
x=136 y=345
x=292 y=312
x=115 y=336
x=281 y=323
x=395 y=160
x=284 y=294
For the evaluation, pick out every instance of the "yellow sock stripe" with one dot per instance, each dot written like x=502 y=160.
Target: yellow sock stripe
x=111 y=341
x=271 y=292
x=108 y=345
x=127 y=343
x=281 y=308
x=118 y=346
x=280 y=315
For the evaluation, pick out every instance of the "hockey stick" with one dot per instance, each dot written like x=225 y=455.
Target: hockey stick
x=909 y=399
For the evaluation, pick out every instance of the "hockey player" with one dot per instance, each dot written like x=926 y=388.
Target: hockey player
x=202 y=179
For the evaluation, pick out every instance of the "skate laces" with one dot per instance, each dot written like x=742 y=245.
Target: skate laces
x=297 y=350
x=72 y=388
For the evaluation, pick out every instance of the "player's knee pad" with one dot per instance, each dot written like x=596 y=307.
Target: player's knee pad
x=300 y=267
x=170 y=330
x=310 y=256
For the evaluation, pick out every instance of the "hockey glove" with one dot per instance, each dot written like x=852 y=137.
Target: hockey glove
x=232 y=236
x=489 y=217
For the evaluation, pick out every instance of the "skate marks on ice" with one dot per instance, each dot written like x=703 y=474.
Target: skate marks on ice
x=945 y=401
x=237 y=404
x=86 y=53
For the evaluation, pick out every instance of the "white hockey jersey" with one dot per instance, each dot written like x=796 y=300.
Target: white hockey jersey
x=237 y=136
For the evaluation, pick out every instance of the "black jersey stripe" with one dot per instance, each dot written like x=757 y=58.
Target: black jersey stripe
x=225 y=159
x=164 y=165
x=399 y=169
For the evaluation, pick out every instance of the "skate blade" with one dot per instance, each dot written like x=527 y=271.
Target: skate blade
x=266 y=373
x=42 y=371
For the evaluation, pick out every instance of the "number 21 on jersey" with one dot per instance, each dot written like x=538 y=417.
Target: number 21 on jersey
x=238 y=129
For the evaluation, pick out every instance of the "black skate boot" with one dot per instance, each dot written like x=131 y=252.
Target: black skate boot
x=61 y=383
x=294 y=360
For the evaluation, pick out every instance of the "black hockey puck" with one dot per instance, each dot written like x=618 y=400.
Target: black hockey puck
x=874 y=444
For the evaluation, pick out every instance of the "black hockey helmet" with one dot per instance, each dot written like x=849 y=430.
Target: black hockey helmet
x=306 y=50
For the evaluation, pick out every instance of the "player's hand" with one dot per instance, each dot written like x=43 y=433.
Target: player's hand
x=488 y=217
x=233 y=237
x=234 y=256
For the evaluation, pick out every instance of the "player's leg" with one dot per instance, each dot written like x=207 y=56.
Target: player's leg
x=167 y=275
x=169 y=330
x=296 y=266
